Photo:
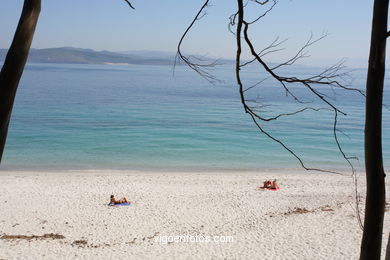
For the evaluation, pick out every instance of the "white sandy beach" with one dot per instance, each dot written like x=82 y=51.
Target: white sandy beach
x=311 y=216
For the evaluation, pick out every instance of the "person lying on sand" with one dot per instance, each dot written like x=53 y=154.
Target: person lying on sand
x=113 y=201
x=272 y=185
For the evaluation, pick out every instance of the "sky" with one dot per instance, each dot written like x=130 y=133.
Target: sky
x=157 y=25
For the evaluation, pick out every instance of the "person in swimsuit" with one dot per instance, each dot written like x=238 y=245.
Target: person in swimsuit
x=113 y=201
x=272 y=185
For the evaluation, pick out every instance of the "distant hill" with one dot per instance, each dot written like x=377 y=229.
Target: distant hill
x=151 y=54
x=87 y=56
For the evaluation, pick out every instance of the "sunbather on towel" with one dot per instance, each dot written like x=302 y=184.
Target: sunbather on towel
x=113 y=201
x=272 y=185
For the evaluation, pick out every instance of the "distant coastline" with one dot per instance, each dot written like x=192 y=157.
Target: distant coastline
x=116 y=63
x=70 y=55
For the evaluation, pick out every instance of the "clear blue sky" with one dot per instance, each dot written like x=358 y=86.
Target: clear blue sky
x=157 y=25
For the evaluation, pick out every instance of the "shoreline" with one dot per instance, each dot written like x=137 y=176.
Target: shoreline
x=182 y=170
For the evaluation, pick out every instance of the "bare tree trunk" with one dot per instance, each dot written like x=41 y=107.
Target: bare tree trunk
x=375 y=200
x=14 y=63
x=388 y=249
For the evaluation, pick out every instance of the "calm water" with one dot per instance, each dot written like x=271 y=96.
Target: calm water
x=137 y=117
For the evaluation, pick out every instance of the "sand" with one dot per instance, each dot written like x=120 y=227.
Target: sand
x=64 y=215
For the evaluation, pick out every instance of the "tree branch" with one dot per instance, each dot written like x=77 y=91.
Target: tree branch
x=193 y=62
x=129 y=4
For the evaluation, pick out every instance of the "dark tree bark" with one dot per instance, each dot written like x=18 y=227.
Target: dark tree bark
x=375 y=199
x=387 y=257
x=14 y=63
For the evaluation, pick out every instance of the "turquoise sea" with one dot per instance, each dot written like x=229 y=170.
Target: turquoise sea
x=143 y=117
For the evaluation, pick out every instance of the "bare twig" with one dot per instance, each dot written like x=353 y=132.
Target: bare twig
x=131 y=6
x=266 y=12
x=301 y=53
x=201 y=68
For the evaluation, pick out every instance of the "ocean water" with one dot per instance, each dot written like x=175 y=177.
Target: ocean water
x=144 y=117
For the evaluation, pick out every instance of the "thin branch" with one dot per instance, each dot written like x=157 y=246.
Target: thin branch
x=301 y=53
x=266 y=12
x=200 y=68
x=232 y=22
x=267 y=50
x=287 y=114
x=288 y=149
x=129 y=4
x=260 y=3
x=255 y=85
x=348 y=159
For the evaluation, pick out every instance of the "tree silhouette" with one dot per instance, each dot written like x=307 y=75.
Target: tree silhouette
x=331 y=78
x=375 y=175
x=14 y=63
